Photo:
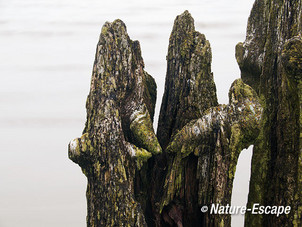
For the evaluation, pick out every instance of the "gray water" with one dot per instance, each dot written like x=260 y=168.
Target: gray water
x=47 y=51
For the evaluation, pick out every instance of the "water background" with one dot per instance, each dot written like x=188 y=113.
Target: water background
x=47 y=49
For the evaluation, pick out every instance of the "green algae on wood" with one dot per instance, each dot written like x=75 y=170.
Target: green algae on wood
x=270 y=61
x=132 y=182
x=118 y=138
x=189 y=91
x=217 y=139
x=189 y=86
x=201 y=142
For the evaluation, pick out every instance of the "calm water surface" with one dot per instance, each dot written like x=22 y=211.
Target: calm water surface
x=47 y=51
